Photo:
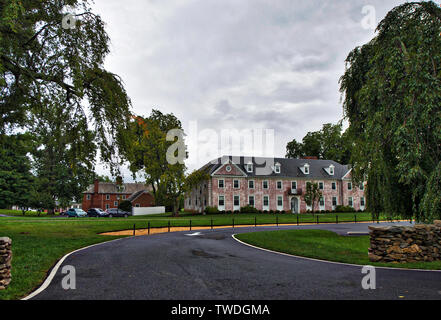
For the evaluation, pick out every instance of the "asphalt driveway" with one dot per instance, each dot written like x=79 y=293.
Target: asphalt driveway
x=212 y=265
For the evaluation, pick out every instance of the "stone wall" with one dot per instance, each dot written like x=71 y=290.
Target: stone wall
x=399 y=244
x=5 y=262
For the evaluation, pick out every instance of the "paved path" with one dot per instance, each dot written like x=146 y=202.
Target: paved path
x=215 y=266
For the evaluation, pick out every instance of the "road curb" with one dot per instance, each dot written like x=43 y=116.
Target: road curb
x=325 y=261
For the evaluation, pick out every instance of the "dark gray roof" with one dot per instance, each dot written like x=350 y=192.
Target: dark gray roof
x=136 y=195
x=290 y=168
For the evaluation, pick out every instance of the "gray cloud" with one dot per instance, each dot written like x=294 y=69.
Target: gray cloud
x=237 y=64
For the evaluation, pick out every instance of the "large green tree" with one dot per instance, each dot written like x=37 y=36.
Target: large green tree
x=328 y=143
x=392 y=99
x=45 y=66
x=16 y=179
x=147 y=150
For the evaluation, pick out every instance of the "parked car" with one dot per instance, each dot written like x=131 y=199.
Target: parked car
x=76 y=213
x=96 y=212
x=113 y=212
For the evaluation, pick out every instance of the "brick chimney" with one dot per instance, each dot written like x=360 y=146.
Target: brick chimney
x=310 y=158
x=96 y=184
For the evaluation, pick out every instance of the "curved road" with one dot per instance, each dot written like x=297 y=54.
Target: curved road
x=175 y=266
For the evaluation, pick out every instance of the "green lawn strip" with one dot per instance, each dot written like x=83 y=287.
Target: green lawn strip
x=324 y=245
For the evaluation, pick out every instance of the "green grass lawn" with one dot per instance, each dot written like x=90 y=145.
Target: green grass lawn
x=324 y=245
x=39 y=242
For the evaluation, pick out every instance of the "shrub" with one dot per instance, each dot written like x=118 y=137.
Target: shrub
x=211 y=210
x=248 y=209
x=344 y=209
x=271 y=212
x=236 y=211
x=265 y=211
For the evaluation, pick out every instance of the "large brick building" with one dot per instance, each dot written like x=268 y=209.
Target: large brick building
x=106 y=195
x=274 y=184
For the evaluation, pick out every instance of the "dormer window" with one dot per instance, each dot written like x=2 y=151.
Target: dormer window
x=249 y=167
x=277 y=168
x=305 y=168
x=331 y=170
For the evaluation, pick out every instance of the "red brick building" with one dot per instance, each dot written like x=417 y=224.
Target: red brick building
x=106 y=195
x=274 y=184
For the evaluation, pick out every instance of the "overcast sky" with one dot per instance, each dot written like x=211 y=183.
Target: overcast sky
x=240 y=64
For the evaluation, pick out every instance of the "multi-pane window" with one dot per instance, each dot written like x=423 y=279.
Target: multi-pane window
x=294 y=185
x=221 y=201
x=107 y=196
x=361 y=186
x=236 y=201
x=115 y=203
x=321 y=185
x=251 y=201
x=334 y=186
x=249 y=167
x=349 y=185
x=88 y=197
x=265 y=184
x=334 y=201
x=251 y=184
x=221 y=183
x=277 y=168
x=322 y=202
x=351 y=202
x=279 y=185
x=362 y=202
x=279 y=201
x=236 y=184
x=265 y=201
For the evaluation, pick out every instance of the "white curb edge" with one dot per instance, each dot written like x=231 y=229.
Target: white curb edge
x=325 y=261
x=54 y=270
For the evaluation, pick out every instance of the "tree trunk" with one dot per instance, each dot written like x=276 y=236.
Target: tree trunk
x=176 y=208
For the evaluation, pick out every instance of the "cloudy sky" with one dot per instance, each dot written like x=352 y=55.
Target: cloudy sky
x=237 y=64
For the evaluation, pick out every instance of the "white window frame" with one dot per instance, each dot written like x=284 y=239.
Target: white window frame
x=219 y=182
x=331 y=170
x=292 y=182
x=219 y=207
x=107 y=196
x=324 y=203
x=249 y=167
x=238 y=184
x=281 y=185
x=306 y=168
x=333 y=184
x=362 y=207
x=265 y=208
x=278 y=168
x=263 y=184
x=351 y=186
x=351 y=199
x=280 y=208
x=254 y=184
x=236 y=207
x=88 y=196
x=323 y=183
x=336 y=202
x=254 y=201
x=361 y=186
x=115 y=203
x=107 y=206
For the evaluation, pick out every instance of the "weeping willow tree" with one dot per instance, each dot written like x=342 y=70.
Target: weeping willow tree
x=48 y=69
x=391 y=93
